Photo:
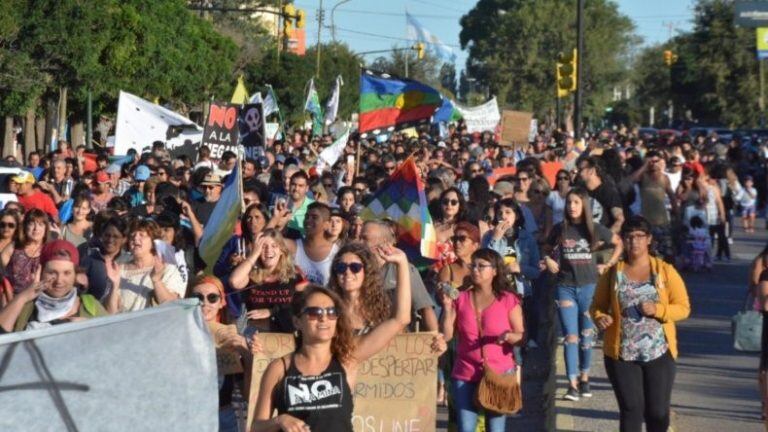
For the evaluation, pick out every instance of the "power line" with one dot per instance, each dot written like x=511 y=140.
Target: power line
x=437 y=5
x=390 y=37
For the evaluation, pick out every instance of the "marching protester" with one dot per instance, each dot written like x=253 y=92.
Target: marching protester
x=637 y=302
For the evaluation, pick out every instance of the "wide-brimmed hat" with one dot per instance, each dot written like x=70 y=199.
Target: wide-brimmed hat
x=211 y=179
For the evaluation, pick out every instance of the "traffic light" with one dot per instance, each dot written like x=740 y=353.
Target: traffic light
x=419 y=47
x=301 y=18
x=670 y=58
x=289 y=14
x=566 y=73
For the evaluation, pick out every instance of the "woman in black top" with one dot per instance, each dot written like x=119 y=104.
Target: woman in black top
x=323 y=369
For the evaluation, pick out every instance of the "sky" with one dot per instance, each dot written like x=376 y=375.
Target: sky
x=369 y=25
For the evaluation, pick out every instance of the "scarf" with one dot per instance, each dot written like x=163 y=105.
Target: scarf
x=50 y=308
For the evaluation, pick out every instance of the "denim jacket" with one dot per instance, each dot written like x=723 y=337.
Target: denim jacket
x=527 y=255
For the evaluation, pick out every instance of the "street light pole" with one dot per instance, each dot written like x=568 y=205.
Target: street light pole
x=579 y=69
x=333 y=21
x=319 y=35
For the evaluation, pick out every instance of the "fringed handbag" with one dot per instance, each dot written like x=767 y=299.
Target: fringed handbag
x=499 y=393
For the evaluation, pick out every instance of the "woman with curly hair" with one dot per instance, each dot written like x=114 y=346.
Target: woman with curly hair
x=357 y=278
x=327 y=354
x=268 y=279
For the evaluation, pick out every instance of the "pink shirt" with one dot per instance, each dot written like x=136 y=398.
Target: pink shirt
x=495 y=321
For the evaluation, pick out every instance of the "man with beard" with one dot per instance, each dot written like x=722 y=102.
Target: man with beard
x=210 y=187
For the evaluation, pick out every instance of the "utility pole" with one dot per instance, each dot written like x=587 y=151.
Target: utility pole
x=579 y=70
x=319 y=35
x=406 y=64
x=333 y=21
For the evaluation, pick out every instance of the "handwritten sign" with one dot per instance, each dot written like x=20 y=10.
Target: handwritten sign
x=227 y=362
x=515 y=128
x=395 y=389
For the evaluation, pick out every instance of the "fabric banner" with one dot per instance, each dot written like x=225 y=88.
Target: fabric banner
x=332 y=153
x=221 y=130
x=436 y=47
x=140 y=123
x=132 y=371
x=251 y=123
x=221 y=223
x=481 y=118
x=395 y=389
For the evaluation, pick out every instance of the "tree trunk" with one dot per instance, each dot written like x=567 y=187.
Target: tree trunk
x=40 y=134
x=8 y=136
x=78 y=133
x=29 y=133
x=62 y=127
x=51 y=125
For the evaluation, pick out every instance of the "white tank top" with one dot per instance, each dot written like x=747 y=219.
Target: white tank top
x=316 y=272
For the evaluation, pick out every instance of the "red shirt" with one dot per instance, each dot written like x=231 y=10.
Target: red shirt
x=40 y=200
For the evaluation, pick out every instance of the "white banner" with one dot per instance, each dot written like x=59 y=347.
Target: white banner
x=148 y=370
x=481 y=118
x=140 y=123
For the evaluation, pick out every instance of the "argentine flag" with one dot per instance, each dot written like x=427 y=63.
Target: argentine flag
x=222 y=222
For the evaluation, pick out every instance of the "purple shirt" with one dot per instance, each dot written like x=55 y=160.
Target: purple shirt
x=495 y=321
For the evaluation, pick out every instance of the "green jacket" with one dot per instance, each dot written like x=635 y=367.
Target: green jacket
x=89 y=308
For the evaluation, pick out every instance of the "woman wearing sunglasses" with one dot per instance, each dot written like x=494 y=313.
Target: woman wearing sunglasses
x=327 y=356
x=267 y=280
x=637 y=303
x=232 y=353
x=10 y=220
x=490 y=300
x=357 y=278
x=452 y=208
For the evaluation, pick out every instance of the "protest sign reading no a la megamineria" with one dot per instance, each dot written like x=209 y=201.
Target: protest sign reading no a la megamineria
x=395 y=389
x=221 y=129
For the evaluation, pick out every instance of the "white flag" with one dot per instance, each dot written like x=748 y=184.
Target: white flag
x=332 y=153
x=140 y=123
x=256 y=98
x=332 y=107
x=270 y=102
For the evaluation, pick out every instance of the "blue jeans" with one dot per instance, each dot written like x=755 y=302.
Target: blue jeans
x=228 y=420
x=466 y=410
x=579 y=331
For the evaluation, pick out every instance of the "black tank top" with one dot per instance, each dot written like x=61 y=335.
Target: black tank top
x=323 y=402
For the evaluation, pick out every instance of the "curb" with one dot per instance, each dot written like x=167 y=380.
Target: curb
x=563 y=408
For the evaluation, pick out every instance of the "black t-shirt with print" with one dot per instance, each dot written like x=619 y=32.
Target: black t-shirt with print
x=275 y=296
x=577 y=262
x=605 y=197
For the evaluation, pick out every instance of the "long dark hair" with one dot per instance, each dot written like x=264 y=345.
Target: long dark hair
x=586 y=216
x=462 y=203
x=510 y=203
x=343 y=342
x=500 y=283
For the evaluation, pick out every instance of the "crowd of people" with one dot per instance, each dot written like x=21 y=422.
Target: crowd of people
x=602 y=223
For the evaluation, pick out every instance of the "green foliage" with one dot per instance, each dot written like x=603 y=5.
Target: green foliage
x=513 y=46
x=448 y=79
x=290 y=78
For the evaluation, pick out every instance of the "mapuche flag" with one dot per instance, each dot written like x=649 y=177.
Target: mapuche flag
x=403 y=200
x=388 y=102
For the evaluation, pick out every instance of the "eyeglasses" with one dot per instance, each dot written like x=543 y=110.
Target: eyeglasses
x=314 y=313
x=212 y=297
x=207 y=187
x=359 y=191
x=342 y=267
x=459 y=238
x=634 y=237
x=4 y=225
x=479 y=267
x=451 y=202
x=477 y=171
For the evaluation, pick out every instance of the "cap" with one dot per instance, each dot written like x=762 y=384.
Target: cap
x=262 y=162
x=504 y=188
x=59 y=250
x=102 y=176
x=211 y=179
x=280 y=158
x=338 y=212
x=441 y=144
x=141 y=173
x=114 y=168
x=472 y=230
x=477 y=151
x=23 y=177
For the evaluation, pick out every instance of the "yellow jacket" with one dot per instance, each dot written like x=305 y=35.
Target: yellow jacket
x=673 y=304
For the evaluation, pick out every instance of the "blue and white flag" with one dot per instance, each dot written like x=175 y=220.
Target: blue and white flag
x=221 y=224
x=418 y=33
x=332 y=106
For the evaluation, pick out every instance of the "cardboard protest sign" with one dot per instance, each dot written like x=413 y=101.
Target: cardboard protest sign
x=395 y=389
x=252 y=130
x=221 y=131
x=515 y=127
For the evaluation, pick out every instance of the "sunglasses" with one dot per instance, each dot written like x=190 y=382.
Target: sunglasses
x=359 y=191
x=477 y=171
x=451 y=202
x=354 y=267
x=563 y=179
x=390 y=168
x=315 y=313
x=4 y=225
x=459 y=238
x=522 y=179
x=212 y=297
x=207 y=187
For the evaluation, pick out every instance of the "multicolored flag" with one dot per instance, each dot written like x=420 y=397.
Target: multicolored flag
x=312 y=106
x=222 y=222
x=388 y=102
x=403 y=200
x=447 y=112
x=240 y=95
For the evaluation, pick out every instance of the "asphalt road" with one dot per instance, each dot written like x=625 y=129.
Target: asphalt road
x=716 y=386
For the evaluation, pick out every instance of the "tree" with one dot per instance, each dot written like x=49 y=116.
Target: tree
x=513 y=46
x=464 y=86
x=448 y=78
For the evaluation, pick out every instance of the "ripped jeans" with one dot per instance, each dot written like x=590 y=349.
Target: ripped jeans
x=578 y=329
